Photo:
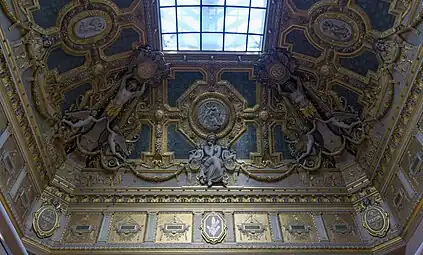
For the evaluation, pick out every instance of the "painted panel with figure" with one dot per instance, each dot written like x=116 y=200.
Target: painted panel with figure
x=3 y=120
x=412 y=161
x=24 y=197
x=11 y=162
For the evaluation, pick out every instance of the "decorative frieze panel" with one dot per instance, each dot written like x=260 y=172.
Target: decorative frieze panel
x=341 y=228
x=126 y=227
x=298 y=227
x=83 y=228
x=252 y=227
x=174 y=227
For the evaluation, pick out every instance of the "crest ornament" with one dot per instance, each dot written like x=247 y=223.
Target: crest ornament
x=375 y=220
x=46 y=221
x=213 y=228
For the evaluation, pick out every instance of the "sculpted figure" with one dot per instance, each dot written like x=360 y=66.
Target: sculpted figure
x=213 y=161
x=114 y=140
x=129 y=89
x=311 y=142
x=297 y=96
x=211 y=170
x=85 y=118
x=337 y=122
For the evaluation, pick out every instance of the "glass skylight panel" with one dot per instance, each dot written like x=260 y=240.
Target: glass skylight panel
x=212 y=25
x=213 y=18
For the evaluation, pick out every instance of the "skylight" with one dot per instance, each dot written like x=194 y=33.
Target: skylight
x=212 y=25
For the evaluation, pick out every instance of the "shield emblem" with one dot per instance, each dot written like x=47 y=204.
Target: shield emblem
x=213 y=228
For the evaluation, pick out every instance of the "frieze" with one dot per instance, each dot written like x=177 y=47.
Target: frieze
x=213 y=198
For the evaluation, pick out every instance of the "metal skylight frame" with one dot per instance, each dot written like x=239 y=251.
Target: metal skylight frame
x=252 y=5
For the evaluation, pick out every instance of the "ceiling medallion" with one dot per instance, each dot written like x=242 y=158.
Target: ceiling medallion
x=85 y=25
x=211 y=112
x=331 y=28
x=213 y=228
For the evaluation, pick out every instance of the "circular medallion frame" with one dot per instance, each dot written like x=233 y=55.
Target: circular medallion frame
x=213 y=99
x=39 y=215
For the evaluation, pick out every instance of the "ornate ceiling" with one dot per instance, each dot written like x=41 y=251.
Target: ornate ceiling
x=314 y=120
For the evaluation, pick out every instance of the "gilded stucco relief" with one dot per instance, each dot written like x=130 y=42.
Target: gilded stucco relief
x=298 y=227
x=82 y=228
x=305 y=124
x=252 y=227
x=127 y=227
x=174 y=227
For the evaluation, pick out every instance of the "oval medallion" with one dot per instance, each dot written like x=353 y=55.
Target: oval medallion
x=336 y=29
x=376 y=221
x=89 y=27
x=340 y=31
x=46 y=221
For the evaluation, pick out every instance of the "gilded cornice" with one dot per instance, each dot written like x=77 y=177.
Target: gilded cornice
x=23 y=120
x=405 y=109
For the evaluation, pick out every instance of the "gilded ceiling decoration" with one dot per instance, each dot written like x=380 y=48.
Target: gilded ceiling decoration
x=319 y=88
x=305 y=145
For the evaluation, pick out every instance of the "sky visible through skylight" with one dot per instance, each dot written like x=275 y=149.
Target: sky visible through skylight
x=212 y=25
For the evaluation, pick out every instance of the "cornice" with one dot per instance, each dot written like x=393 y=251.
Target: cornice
x=405 y=108
x=23 y=120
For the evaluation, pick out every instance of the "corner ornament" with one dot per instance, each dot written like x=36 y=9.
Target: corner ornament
x=376 y=220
